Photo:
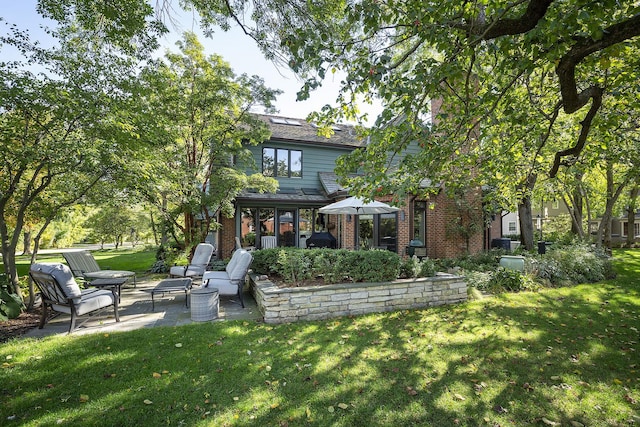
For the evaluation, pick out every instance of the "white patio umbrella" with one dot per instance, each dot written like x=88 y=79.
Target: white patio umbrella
x=357 y=206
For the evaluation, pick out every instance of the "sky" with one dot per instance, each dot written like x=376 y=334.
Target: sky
x=236 y=48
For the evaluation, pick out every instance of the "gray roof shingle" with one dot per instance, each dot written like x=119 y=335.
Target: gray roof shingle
x=299 y=130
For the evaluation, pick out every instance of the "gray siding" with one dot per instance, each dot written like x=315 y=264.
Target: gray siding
x=315 y=158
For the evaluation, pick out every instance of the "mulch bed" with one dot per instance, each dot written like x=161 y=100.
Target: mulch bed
x=14 y=328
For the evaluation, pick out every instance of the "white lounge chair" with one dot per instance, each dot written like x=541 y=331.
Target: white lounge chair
x=231 y=280
x=198 y=265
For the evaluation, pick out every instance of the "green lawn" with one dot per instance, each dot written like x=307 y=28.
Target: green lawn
x=557 y=357
x=137 y=259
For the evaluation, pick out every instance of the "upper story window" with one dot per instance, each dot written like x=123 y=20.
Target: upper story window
x=281 y=162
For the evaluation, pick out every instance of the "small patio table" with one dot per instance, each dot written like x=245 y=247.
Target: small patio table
x=115 y=283
x=172 y=285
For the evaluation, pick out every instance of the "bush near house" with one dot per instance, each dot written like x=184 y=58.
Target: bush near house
x=562 y=266
x=296 y=266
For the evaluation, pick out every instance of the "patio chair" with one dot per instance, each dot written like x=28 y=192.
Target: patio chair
x=197 y=266
x=231 y=280
x=60 y=292
x=84 y=266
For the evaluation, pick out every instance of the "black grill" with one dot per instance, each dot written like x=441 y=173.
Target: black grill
x=322 y=240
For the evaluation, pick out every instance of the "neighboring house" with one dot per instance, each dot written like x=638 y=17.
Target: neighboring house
x=541 y=214
x=619 y=229
x=303 y=163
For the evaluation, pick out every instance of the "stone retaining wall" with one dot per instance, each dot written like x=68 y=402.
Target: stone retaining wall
x=281 y=305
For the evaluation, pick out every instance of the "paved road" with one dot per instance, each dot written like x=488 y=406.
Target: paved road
x=78 y=247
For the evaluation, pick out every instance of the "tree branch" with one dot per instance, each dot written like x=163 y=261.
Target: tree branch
x=536 y=10
x=596 y=93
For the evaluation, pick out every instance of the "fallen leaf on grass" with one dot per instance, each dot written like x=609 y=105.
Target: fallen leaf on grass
x=178 y=345
x=549 y=422
x=459 y=397
x=84 y=398
x=331 y=409
x=343 y=405
x=147 y=402
x=156 y=375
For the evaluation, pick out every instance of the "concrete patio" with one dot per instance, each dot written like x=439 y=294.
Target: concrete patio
x=135 y=312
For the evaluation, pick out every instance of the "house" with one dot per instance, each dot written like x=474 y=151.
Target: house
x=303 y=163
x=541 y=213
x=619 y=229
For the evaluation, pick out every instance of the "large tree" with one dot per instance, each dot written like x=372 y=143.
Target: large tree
x=470 y=54
x=202 y=112
x=60 y=128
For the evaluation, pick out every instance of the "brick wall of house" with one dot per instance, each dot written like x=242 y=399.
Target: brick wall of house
x=442 y=242
x=226 y=237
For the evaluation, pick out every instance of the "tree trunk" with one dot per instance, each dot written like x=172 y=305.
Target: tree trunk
x=578 y=206
x=9 y=260
x=525 y=213
x=613 y=192
x=165 y=232
x=27 y=243
x=32 y=293
x=631 y=215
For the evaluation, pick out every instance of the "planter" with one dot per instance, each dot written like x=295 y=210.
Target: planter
x=512 y=262
x=282 y=305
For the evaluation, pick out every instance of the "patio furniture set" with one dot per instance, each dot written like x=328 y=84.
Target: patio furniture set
x=60 y=292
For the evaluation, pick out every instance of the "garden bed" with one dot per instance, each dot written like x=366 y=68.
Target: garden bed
x=282 y=305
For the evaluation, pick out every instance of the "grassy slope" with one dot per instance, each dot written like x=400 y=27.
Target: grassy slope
x=556 y=356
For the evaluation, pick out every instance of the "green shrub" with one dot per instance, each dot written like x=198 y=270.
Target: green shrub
x=504 y=279
x=166 y=257
x=293 y=266
x=486 y=261
x=546 y=270
x=265 y=261
x=409 y=267
x=427 y=267
x=325 y=263
x=333 y=265
x=578 y=263
x=10 y=304
x=370 y=266
x=478 y=279
x=414 y=267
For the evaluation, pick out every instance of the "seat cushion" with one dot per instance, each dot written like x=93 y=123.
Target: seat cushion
x=242 y=266
x=94 y=301
x=202 y=255
x=225 y=287
x=215 y=275
x=232 y=263
x=89 y=302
